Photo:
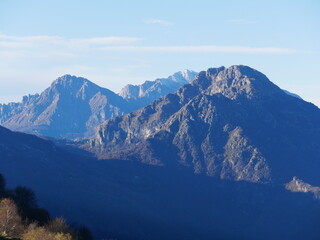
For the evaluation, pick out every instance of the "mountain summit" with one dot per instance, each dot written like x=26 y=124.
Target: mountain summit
x=231 y=123
x=70 y=107
x=149 y=91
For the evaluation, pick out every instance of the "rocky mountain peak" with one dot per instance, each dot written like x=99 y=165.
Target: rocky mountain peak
x=71 y=107
x=229 y=122
x=69 y=80
x=213 y=71
x=72 y=84
x=236 y=81
x=185 y=75
x=149 y=91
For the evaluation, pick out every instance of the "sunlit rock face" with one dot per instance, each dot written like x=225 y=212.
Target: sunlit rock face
x=231 y=123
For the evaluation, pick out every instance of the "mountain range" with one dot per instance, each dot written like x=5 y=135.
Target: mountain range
x=229 y=150
x=73 y=107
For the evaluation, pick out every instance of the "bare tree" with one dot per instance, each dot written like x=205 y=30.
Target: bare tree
x=58 y=225
x=10 y=221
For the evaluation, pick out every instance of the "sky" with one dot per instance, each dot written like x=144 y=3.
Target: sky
x=114 y=43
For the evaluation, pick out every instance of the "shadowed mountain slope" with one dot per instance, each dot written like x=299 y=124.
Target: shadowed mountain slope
x=130 y=200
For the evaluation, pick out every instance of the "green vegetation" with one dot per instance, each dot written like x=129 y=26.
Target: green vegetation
x=22 y=219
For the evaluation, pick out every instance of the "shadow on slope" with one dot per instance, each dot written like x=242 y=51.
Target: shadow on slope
x=130 y=200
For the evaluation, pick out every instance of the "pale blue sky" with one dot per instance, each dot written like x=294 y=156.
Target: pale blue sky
x=114 y=43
